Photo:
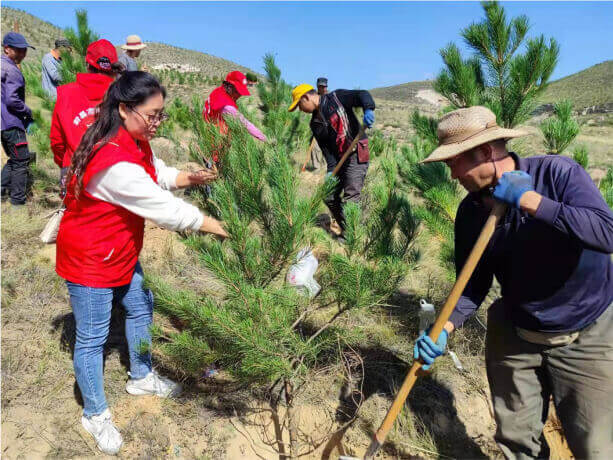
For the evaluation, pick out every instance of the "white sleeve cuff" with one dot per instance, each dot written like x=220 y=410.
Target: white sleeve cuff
x=166 y=175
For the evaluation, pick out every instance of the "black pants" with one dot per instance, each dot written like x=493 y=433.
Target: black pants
x=350 y=182
x=16 y=178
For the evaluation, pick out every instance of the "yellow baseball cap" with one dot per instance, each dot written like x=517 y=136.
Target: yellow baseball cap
x=297 y=93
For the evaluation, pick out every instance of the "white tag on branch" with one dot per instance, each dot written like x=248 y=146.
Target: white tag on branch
x=427 y=315
x=300 y=273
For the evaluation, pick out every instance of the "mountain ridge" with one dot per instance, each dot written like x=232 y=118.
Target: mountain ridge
x=42 y=34
x=586 y=88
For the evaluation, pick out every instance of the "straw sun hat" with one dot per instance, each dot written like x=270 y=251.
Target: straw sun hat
x=133 y=42
x=465 y=129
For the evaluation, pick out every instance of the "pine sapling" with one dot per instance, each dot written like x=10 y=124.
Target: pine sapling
x=498 y=76
x=259 y=329
x=561 y=129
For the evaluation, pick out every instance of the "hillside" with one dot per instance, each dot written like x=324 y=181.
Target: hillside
x=590 y=87
x=415 y=92
x=42 y=35
x=587 y=88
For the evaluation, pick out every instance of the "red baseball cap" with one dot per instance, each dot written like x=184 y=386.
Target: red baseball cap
x=101 y=54
x=239 y=80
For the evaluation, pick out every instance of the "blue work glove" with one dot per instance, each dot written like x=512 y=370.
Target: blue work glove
x=427 y=350
x=31 y=127
x=369 y=117
x=512 y=185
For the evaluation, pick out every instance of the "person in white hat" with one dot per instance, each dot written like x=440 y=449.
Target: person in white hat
x=551 y=332
x=132 y=49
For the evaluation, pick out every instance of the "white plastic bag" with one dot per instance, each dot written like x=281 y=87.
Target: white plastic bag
x=300 y=273
x=49 y=233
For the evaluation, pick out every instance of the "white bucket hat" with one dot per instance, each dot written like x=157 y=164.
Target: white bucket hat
x=464 y=129
x=133 y=42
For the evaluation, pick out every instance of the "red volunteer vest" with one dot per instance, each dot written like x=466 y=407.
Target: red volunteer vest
x=74 y=112
x=98 y=242
x=213 y=106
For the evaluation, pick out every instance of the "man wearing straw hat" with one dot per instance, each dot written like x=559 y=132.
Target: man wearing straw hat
x=551 y=332
x=132 y=49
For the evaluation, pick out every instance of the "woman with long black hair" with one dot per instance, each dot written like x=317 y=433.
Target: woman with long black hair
x=114 y=184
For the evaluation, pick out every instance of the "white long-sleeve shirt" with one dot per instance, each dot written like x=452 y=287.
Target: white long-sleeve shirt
x=128 y=185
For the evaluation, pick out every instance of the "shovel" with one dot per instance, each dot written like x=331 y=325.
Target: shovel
x=348 y=152
x=308 y=155
x=467 y=271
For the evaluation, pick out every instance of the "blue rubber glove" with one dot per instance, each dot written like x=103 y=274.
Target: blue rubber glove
x=369 y=117
x=31 y=126
x=512 y=185
x=427 y=350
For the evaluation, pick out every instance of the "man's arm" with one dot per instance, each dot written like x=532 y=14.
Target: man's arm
x=52 y=70
x=356 y=98
x=467 y=229
x=582 y=212
x=14 y=103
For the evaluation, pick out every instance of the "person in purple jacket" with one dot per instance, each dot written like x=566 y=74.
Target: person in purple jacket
x=551 y=332
x=16 y=117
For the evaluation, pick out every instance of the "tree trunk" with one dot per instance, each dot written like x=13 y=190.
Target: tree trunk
x=292 y=421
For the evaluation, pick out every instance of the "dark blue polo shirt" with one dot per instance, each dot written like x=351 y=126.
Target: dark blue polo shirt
x=555 y=268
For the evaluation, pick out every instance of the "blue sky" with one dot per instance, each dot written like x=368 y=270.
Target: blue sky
x=354 y=44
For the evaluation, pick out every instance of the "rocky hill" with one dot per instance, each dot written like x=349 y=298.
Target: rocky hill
x=589 y=90
x=415 y=92
x=156 y=56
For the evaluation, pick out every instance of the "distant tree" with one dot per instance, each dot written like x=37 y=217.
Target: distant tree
x=83 y=36
x=80 y=40
x=498 y=75
x=560 y=129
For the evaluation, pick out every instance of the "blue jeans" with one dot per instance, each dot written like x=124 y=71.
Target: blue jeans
x=92 y=312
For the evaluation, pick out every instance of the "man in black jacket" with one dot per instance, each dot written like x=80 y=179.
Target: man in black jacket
x=334 y=126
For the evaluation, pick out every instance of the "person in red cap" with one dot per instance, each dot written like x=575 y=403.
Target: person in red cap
x=75 y=109
x=222 y=101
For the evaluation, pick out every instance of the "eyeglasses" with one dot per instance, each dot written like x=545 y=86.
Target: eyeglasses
x=151 y=119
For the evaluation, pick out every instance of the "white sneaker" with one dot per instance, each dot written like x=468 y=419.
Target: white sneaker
x=104 y=431
x=153 y=384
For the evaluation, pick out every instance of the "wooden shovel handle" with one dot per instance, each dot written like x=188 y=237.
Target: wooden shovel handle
x=308 y=155
x=465 y=274
x=349 y=150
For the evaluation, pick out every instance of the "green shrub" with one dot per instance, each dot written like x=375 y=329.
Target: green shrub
x=580 y=155
x=606 y=187
x=560 y=129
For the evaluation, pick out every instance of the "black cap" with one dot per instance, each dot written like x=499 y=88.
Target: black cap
x=16 y=41
x=322 y=81
x=62 y=43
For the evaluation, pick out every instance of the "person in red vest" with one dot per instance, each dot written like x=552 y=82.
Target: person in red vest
x=222 y=102
x=75 y=108
x=114 y=183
